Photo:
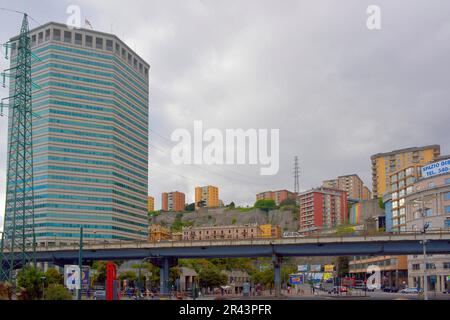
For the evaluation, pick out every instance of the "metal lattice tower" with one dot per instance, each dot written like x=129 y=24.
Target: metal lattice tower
x=296 y=175
x=18 y=240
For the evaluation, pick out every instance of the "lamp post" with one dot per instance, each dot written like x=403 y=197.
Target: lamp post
x=43 y=287
x=139 y=275
x=80 y=262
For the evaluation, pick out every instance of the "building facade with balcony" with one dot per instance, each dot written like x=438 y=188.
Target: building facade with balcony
x=173 y=201
x=277 y=196
x=322 y=209
x=429 y=203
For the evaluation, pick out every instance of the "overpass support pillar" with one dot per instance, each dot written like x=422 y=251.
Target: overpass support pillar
x=277 y=274
x=164 y=276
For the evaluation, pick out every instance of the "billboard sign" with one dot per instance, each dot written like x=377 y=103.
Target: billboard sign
x=296 y=279
x=85 y=277
x=72 y=276
x=316 y=268
x=329 y=268
x=302 y=268
x=436 y=168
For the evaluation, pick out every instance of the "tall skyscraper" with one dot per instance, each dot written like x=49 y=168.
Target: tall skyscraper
x=384 y=164
x=90 y=136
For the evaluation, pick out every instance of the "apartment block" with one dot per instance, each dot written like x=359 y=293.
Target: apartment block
x=150 y=204
x=322 y=209
x=351 y=184
x=277 y=196
x=237 y=232
x=383 y=164
x=173 y=201
x=207 y=196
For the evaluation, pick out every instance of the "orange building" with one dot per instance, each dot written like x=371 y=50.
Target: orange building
x=207 y=196
x=150 y=204
x=277 y=196
x=157 y=233
x=173 y=201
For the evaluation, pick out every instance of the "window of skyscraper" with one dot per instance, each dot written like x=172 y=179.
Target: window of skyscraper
x=67 y=36
x=88 y=41
x=109 y=45
x=57 y=34
x=99 y=43
x=78 y=39
x=47 y=35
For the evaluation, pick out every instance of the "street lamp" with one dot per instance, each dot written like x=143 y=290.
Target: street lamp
x=139 y=276
x=43 y=286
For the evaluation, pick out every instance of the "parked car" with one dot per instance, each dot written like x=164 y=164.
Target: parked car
x=338 y=289
x=410 y=291
x=390 y=289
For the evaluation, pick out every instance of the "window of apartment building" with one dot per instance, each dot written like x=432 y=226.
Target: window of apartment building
x=140 y=67
x=117 y=50
x=402 y=211
x=393 y=186
x=428 y=212
x=409 y=171
x=129 y=58
x=431 y=185
x=41 y=37
x=135 y=63
x=88 y=41
x=447 y=223
x=47 y=35
x=99 y=43
x=409 y=190
x=402 y=220
x=446 y=265
x=124 y=54
x=57 y=34
x=394 y=195
x=394 y=213
x=146 y=72
x=416 y=266
x=67 y=36
x=401 y=202
x=447 y=181
x=403 y=229
x=447 y=209
x=447 y=196
x=78 y=39
x=394 y=204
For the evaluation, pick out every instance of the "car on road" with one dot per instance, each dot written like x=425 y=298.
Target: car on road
x=390 y=289
x=410 y=291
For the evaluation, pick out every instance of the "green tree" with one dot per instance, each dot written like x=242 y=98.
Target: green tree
x=288 y=202
x=231 y=205
x=342 y=266
x=381 y=203
x=190 y=207
x=52 y=276
x=212 y=277
x=265 y=204
x=57 y=292
x=30 y=279
x=100 y=268
x=130 y=276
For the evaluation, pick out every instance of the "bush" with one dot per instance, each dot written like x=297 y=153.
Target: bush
x=265 y=204
x=57 y=292
x=30 y=279
x=6 y=291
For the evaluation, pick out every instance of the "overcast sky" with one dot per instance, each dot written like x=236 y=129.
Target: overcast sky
x=337 y=91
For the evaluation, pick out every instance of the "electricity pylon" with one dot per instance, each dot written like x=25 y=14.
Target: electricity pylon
x=18 y=246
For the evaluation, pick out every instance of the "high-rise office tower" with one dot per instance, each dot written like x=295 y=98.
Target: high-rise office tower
x=90 y=136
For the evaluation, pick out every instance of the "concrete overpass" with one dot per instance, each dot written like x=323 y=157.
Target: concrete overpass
x=165 y=253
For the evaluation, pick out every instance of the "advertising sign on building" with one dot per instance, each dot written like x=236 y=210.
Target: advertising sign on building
x=72 y=276
x=436 y=168
x=329 y=268
x=85 y=277
x=296 y=279
x=316 y=268
x=302 y=268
